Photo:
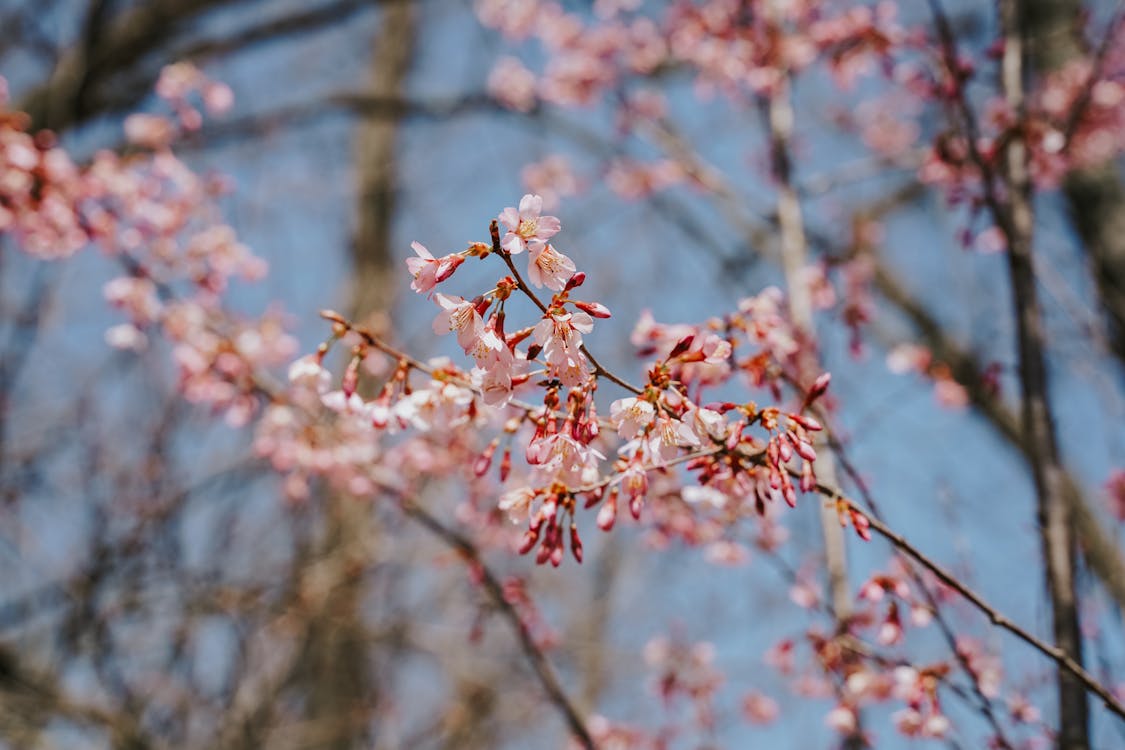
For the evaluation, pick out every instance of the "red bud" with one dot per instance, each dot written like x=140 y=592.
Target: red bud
x=819 y=386
x=862 y=525
x=528 y=541
x=575 y=543
x=681 y=347
x=505 y=464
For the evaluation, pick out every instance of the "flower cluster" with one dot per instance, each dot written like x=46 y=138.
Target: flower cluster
x=156 y=219
x=661 y=439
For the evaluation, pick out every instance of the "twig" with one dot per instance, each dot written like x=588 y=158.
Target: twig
x=535 y=656
x=998 y=619
x=599 y=370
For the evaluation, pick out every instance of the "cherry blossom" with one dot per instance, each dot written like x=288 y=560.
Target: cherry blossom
x=548 y=267
x=527 y=228
x=460 y=316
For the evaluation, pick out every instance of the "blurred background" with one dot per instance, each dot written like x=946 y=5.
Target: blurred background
x=160 y=591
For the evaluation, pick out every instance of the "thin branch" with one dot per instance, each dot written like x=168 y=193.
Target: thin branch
x=540 y=665
x=1056 y=654
x=1015 y=218
x=599 y=370
x=794 y=258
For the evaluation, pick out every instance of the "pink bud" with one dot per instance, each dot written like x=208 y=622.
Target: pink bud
x=862 y=525
x=351 y=378
x=805 y=450
x=484 y=460
x=735 y=434
x=607 y=516
x=635 y=506
x=529 y=540
x=819 y=387
x=449 y=264
x=596 y=309
x=785 y=451
x=482 y=303
x=808 y=478
x=807 y=422
x=577 y=280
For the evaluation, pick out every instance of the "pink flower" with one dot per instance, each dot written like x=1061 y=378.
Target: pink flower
x=149 y=131
x=526 y=228
x=458 y=314
x=517 y=503
x=561 y=456
x=307 y=372
x=842 y=719
x=126 y=336
x=669 y=436
x=706 y=423
x=496 y=367
x=551 y=178
x=512 y=84
x=429 y=271
x=560 y=335
x=700 y=494
x=547 y=266
x=631 y=416
x=759 y=708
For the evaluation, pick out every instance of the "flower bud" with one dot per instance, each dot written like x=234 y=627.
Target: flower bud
x=596 y=309
x=506 y=464
x=607 y=515
x=528 y=541
x=575 y=543
x=862 y=525
x=682 y=346
x=820 y=385
x=804 y=450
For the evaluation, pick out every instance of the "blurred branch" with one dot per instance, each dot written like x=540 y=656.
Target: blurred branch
x=1056 y=654
x=1007 y=194
x=492 y=586
x=123 y=41
x=794 y=257
x=1095 y=195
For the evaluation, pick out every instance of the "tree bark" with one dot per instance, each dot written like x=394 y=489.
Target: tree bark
x=1016 y=219
x=1095 y=195
x=335 y=672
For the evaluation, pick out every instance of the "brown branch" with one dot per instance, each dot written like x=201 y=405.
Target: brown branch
x=794 y=258
x=1056 y=654
x=599 y=370
x=1015 y=218
x=983 y=701
x=1094 y=194
x=124 y=40
x=540 y=665
x=1099 y=548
